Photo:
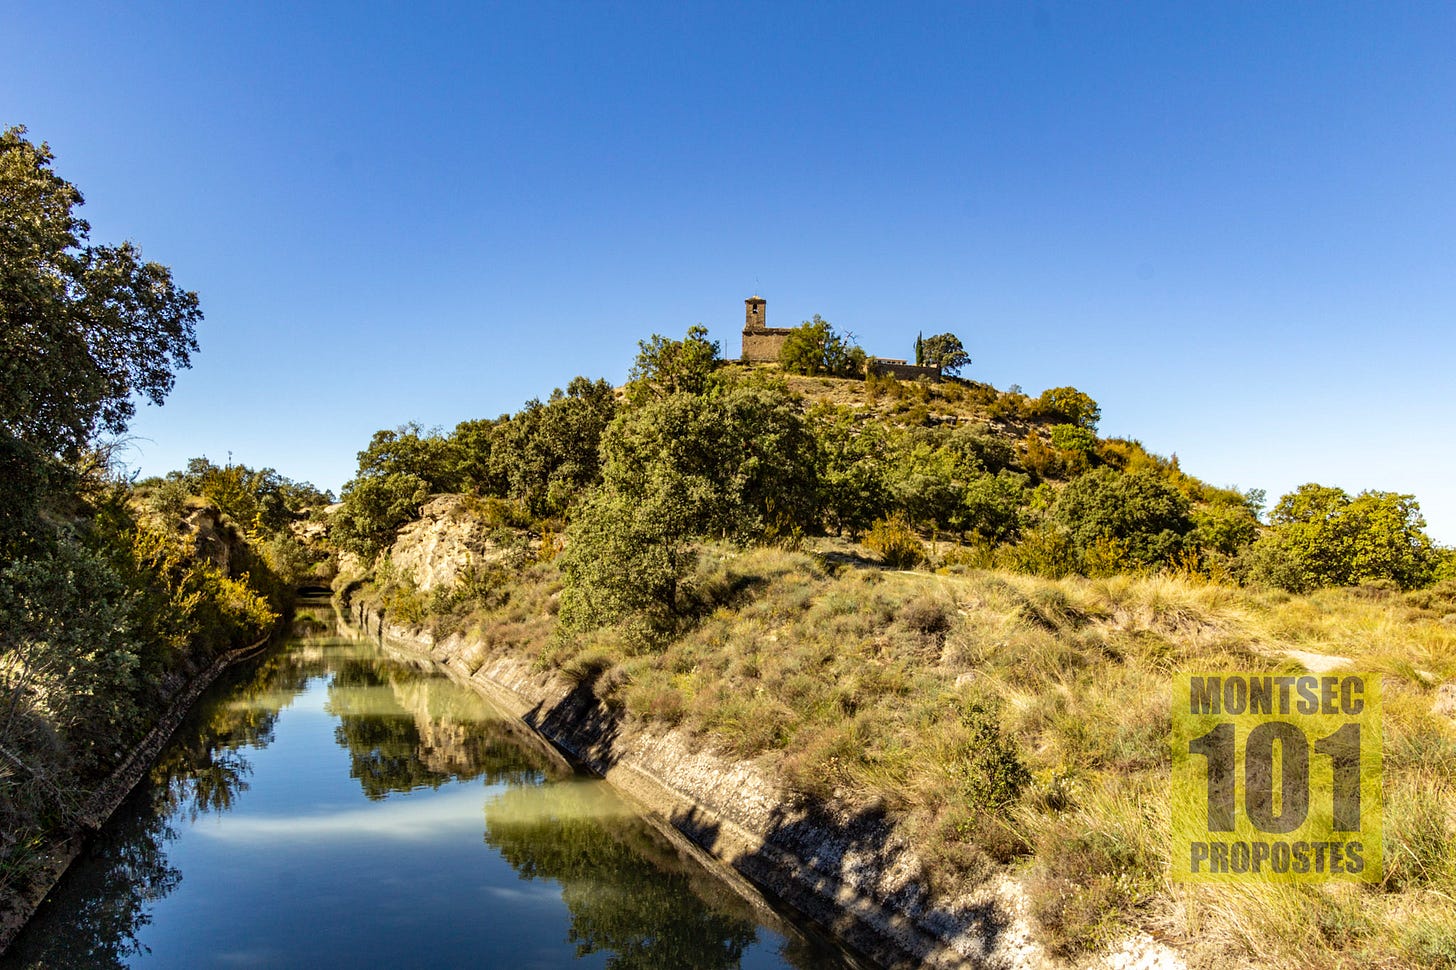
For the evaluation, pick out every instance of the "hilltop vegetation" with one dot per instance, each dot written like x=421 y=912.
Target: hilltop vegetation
x=960 y=604
x=695 y=448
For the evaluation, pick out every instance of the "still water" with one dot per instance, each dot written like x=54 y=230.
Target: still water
x=337 y=805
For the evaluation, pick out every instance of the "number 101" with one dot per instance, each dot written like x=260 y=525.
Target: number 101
x=1218 y=746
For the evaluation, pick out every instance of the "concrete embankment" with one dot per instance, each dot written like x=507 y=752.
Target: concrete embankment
x=845 y=868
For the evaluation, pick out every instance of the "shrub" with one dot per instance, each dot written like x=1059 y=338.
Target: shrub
x=1320 y=536
x=1140 y=509
x=1069 y=405
x=814 y=347
x=895 y=542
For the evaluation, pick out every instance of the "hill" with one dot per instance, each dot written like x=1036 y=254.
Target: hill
x=949 y=604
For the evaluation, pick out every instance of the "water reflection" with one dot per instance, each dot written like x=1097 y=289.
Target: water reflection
x=364 y=856
x=629 y=892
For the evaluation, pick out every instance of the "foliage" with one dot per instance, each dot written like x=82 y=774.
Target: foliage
x=83 y=330
x=739 y=463
x=474 y=445
x=944 y=350
x=547 y=454
x=102 y=611
x=895 y=542
x=1225 y=525
x=373 y=510
x=666 y=366
x=1320 y=536
x=1069 y=405
x=263 y=502
x=625 y=562
x=397 y=472
x=853 y=490
x=991 y=505
x=814 y=347
x=1140 y=509
x=86 y=326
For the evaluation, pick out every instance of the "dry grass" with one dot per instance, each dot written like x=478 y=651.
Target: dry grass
x=1018 y=722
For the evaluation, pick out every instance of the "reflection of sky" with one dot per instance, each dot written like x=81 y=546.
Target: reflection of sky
x=433 y=815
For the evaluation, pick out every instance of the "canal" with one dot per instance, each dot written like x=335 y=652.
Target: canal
x=334 y=804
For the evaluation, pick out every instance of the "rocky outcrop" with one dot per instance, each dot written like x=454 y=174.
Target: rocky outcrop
x=446 y=540
x=214 y=539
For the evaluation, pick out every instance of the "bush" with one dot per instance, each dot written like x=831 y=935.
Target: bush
x=1320 y=536
x=895 y=542
x=814 y=347
x=1139 y=509
x=1069 y=405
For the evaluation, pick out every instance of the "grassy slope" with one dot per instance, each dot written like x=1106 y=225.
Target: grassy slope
x=865 y=684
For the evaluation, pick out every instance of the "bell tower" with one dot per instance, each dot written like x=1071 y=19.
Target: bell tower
x=753 y=313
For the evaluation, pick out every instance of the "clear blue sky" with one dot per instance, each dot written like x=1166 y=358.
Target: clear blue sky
x=1234 y=224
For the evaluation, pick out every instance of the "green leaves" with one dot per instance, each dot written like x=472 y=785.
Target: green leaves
x=1071 y=406
x=944 y=350
x=738 y=463
x=1138 y=509
x=814 y=348
x=665 y=366
x=84 y=327
x=1322 y=537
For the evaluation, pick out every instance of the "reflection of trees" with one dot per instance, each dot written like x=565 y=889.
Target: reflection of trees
x=93 y=918
x=628 y=891
x=205 y=767
x=94 y=915
x=403 y=731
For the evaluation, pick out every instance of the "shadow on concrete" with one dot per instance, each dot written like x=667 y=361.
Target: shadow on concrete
x=840 y=870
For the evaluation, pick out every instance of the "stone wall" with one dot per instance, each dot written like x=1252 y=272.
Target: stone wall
x=900 y=370
x=763 y=345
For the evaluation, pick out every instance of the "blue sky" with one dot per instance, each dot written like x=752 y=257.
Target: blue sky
x=1233 y=224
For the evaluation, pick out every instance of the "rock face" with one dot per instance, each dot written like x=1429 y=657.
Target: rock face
x=215 y=539
x=445 y=541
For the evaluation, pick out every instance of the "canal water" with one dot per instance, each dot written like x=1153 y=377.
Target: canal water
x=335 y=804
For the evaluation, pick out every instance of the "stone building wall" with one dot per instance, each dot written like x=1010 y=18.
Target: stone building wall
x=763 y=345
x=899 y=369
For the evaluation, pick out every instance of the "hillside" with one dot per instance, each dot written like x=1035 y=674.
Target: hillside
x=955 y=606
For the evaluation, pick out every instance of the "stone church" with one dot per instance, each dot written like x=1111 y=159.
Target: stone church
x=762 y=343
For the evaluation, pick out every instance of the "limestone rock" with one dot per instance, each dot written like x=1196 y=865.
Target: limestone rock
x=1445 y=703
x=446 y=540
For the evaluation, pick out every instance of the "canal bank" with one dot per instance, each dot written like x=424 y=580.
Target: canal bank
x=103 y=803
x=846 y=868
x=338 y=803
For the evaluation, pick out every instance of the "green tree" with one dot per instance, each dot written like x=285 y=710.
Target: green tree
x=1071 y=406
x=1140 y=512
x=84 y=329
x=814 y=348
x=944 y=350
x=853 y=491
x=546 y=454
x=474 y=443
x=397 y=472
x=1075 y=446
x=738 y=464
x=1320 y=536
x=666 y=366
